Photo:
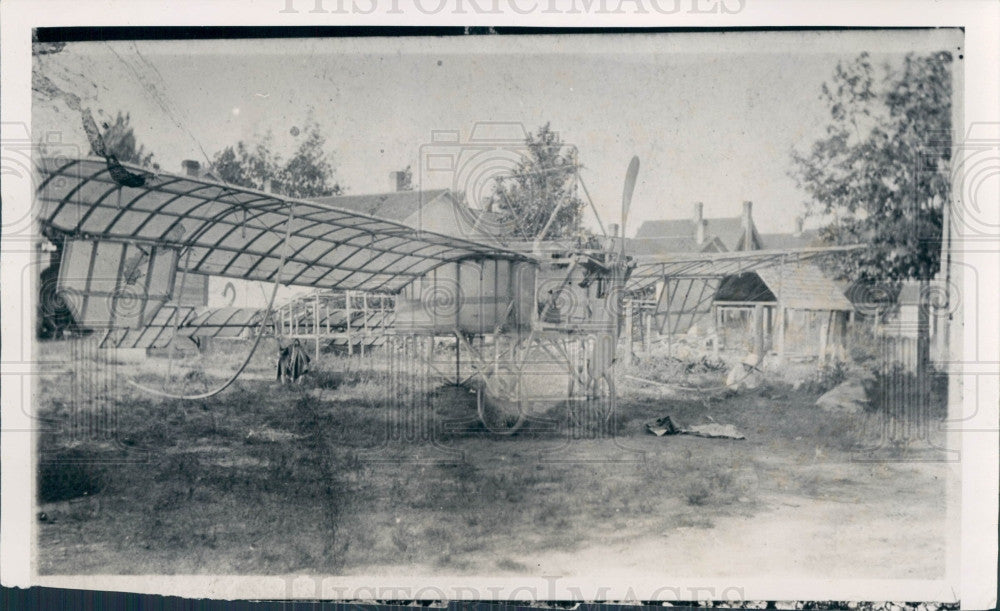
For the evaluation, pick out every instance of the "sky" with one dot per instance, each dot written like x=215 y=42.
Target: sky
x=712 y=116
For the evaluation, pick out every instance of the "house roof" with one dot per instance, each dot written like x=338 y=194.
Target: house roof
x=728 y=229
x=790 y=240
x=395 y=206
x=657 y=245
x=804 y=287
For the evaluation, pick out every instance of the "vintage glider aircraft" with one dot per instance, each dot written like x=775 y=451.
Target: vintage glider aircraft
x=533 y=323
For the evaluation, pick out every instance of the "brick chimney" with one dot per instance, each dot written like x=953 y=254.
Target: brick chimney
x=700 y=223
x=191 y=167
x=699 y=232
x=747 y=223
x=612 y=241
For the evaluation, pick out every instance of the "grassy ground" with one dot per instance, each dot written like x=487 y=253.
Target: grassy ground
x=338 y=475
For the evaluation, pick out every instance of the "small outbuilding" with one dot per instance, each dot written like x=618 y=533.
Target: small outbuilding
x=793 y=311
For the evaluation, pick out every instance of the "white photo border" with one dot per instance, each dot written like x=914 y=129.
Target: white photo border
x=971 y=576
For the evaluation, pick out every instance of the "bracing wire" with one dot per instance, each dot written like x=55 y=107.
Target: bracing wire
x=172 y=114
x=269 y=311
x=177 y=313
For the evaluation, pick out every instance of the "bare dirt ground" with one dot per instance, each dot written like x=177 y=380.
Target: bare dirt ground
x=263 y=479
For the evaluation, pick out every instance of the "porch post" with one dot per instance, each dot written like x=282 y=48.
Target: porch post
x=842 y=320
x=647 y=329
x=781 y=333
x=718 y=330
x=758 y=329
x=824 y=332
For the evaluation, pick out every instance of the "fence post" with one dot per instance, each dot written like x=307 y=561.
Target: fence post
x=347 y=329
x=364 y=321
x=316 y=323
x=628 y=330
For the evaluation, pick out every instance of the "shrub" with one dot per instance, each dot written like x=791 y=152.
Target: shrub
x=901 y=393
x=824 y=379
x=69 y=473
x=715 y=484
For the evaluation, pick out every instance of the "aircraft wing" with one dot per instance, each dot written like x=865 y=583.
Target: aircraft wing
x=237 y=232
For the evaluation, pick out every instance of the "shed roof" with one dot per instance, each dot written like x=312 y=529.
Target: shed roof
x=804 y=287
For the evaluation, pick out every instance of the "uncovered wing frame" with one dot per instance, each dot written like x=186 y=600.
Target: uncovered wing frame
x=238 y=233
x=651 y=268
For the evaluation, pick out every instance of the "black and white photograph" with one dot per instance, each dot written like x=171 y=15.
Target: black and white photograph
x=667 y=307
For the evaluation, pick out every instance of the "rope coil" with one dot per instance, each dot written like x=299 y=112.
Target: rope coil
x=253 y=349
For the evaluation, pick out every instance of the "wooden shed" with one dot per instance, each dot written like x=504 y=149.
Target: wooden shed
x=793 y=311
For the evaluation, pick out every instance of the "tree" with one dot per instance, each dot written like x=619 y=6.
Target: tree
x=307 y=173
x=882 y=170
x=118 y=140
x=544 y=178
x=252 y=166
